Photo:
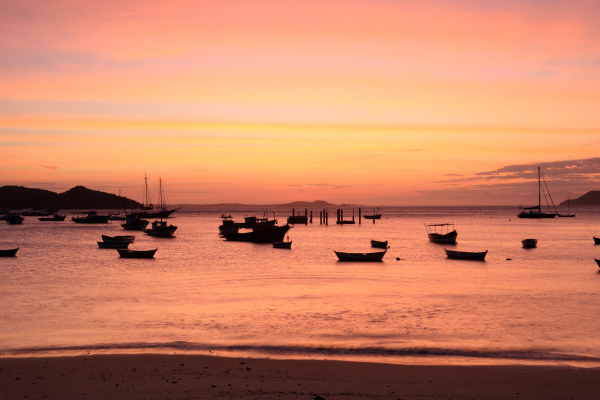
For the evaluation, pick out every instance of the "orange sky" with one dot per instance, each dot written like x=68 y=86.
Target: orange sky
x=377 y=102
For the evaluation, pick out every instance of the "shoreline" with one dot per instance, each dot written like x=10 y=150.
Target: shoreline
x=158 y=376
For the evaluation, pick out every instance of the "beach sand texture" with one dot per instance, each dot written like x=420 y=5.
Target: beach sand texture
x=147 y=376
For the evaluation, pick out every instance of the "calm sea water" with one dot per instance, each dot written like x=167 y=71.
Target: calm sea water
x=201 y=294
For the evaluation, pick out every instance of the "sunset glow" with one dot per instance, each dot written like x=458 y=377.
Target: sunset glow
x=372 y=102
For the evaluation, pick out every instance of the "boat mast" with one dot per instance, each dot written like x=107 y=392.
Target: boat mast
x=146 y=189
x=539 y=192
x=160 y=191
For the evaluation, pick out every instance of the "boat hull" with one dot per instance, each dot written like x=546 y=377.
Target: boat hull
x=124 y=253
x=536 y=215
x=282 y=245
x=466 y=255
x=127 y=238
x=9 y=252
x=529 y=243
x=596 y=240
x=153 y=214
x=364 y=257
x=137 y=225
x=379 y=245
x=377 y=216
x=15 y=220
x=597 y=262
x=53 y=218
x=113 y=245
x=275 y=234
x=446 y=238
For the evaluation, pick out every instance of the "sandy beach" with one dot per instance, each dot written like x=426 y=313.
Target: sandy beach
x=148 y=376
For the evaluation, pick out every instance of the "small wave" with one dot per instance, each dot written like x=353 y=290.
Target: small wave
x=291 y=350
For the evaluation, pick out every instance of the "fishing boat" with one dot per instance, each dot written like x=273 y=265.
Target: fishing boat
x=55 y=217
x=160 y=229
x=9 y=253
x=378 y=244
x=126 y=253
x=133 y=223
x=113 y=245
x=378 y=256
x=466 y=255
x=227 y=225
x=268 y=235
x=91 y=217
x=375 y=215
x=568 y=209
x=596 y=240
x=283 y=245
x=125 y=238
x=529 y=243
x=256 y=223
x=434 y=236
x=14 y=219
x=147 y=209
x=536 y=211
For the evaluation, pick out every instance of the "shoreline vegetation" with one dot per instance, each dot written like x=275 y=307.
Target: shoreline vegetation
x=159 y=376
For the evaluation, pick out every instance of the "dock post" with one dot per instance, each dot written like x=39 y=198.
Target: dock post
x=320 y=217
x=311 y=216
x=342 y=216
x=359 y=216
x=353 y=215
x=306 y=216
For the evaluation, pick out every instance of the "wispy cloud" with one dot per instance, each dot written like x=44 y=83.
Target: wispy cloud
x=48 y=167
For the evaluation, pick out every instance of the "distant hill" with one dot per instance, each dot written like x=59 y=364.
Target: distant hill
x=320 y=204
x=589 y=199
x=79 y=197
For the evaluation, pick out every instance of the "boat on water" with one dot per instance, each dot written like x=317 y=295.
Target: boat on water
x=255 y=223
x=597 y=262
x=445 y=235
x=375 y=215
x=596 y=240
x=378 y=244
x=227 y=225
x=126 y=253
x=378 y=256
x=54 y=217
x=567 y=215
x=133 y=223
x=466 y=255
x=14 y=219
x=124 y=238
x=9 y=252
x=113 y=245
x=267 y=235
x=147 y=209
x=283 y=245
x=536 y=211
x=91 y=217
x=36 y=212
x=160 y=229
x=529 y=243
x=118 y=216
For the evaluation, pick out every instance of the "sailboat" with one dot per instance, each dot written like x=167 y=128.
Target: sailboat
x=531 y=213
x=568 y=209
x=118 y=216
x=161 y=228
x=147 y=209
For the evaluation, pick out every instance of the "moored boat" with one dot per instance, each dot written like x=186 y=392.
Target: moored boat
x=14 y=219
x=55 y=217
x=267 y=235
x=126 y=253
x=227 y=225
x=113 y=245
x=127 y=238
x=283 y=245
x=133 y=223
x=531 y=211
x=434 y=236
x=147 y=209
x=597 y=262
x=256 y=223
x=9 y=252
x=378 y=256
x=529 y=243
x=91 y=217
x=596 y=240
x=160 y=229
x=375 y=215
x=466 y=255
x=378 y=244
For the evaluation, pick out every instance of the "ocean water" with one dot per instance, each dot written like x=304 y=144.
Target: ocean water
x=202 y=294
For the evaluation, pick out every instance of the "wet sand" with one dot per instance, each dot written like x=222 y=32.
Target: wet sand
x=148 y=376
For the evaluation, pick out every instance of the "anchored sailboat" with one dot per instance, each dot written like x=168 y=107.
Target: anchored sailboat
x=532 y=213
x=147 y=209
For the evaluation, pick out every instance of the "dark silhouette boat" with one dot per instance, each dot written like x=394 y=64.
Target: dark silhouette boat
x=256 y=223
x=125 y=238
x=55 y=217
x=283 y=245
x=466 y=255
x=267 y=235
x=227 y=225
x=14 y=219
x=113 y=245
x=529 y=243
x=133 y=223
x=147 y=209
x=440 y=237
x=597 y=261
x=9 y=252
x=596 y=240
x=378 y=244
x=91 y=217
x=126 y=253
x=160 y=229
x=375 y=215
x=378 y=256
x=531 y=213
x=567 y=215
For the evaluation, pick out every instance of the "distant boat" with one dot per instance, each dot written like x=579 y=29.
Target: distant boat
x=539 y=214
x=596 y=240
x=133 y=223
x=147 y=209
x=378 y=244
x=127 y=238
x=568 y=209
x=360 y=256
x=55 y=217
x=227 y=225
x=440 y=237
x=113 y=245
x=9 y=253
x=35 y=212
x=125 y=253
x=375 y=215
x=14 y=219
x=118 y=216
x=268 y=235
x=283 y=245
x=91 y=217
x=160 y=229
x=466 y=255
x=529 y=243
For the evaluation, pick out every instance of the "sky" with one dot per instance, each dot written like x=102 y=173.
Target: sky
x=375 y=102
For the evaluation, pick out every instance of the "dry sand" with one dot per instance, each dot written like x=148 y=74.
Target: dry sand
x=147 y=376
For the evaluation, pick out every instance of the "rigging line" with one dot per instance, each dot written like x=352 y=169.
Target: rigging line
x=548 y=190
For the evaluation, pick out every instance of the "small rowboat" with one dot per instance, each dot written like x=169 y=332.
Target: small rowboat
x=360 y=256
x=441 y=237
x=124 y=253
x=113 y=245
x=125 y=238
x=596 y=240
x=8 y=253
x=529 y=243
x=466 y=255
x=597 y=262
x=378 y=244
